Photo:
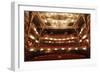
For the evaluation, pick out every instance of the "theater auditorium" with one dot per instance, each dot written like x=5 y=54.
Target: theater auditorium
x=56 y=36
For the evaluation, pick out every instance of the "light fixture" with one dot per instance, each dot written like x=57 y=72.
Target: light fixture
x=49 y=41
x=72 y=37
x=69 y=49
x=80 y=40
x=48 y=50
x=87 y=40
x=41 y=49
x=51 y=38
x=46 y=37
x=84 y=36
x=76 y=48
x=30 y=43
x=45 y=21
x=67 y=38
x=81 y=30
x=69 y=41
x=55 y=39
x=62 y=48
x=55 y=49
x=63 y=39
x=72 y=20
x=36 y=41
x=31 y=49
x=84 y=48
x=58 y=39
x=32 y=37
x=35 y=30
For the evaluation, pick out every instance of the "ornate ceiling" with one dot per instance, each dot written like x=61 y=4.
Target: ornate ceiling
x=57 y=20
